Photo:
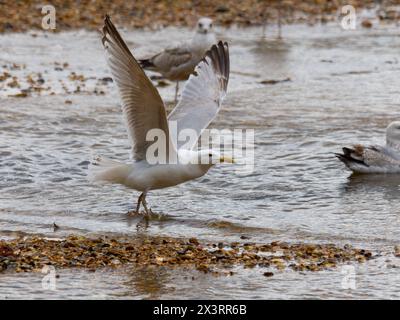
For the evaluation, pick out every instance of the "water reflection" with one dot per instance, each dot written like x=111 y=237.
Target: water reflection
x=367 y=185
x=272 y=56
x=150 y=282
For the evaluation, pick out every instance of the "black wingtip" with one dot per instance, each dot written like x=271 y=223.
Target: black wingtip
x=110 y=30
x=347 y=159
x=105 y=29
x=347 y=151
x=146 y=63
x=219 y=55
x=339 y=156
x=220 y=47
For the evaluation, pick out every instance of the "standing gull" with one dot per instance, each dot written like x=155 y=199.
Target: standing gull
x=375 y=159
x=177 y=63
x=144 y=110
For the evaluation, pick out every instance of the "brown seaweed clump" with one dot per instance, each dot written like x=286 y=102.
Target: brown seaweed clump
x=33 y=253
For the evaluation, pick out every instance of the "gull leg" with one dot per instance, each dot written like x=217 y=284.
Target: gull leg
x=144 y=202
x=138 y=203
x=264 y=27
x=279 y=22
x=176 y=91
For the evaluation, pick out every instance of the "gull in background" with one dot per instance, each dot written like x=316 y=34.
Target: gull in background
x=375 y=159
x=177 y=63
x=144 y=110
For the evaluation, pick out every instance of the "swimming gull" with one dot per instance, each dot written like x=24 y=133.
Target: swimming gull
x=375 y=159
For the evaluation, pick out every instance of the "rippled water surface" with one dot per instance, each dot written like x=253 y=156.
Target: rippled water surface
x=344 y=89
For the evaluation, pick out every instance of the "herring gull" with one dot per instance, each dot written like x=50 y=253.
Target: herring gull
x=375 y=159
x=177 y=63
x=144 y=110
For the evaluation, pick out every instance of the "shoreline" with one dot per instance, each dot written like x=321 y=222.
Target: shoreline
x=31 y=254
x=26 y=15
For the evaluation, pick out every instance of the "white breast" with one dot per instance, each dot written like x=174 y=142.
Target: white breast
x=150 y=177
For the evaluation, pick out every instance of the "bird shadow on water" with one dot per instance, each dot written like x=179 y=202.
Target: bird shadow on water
x=147 y=282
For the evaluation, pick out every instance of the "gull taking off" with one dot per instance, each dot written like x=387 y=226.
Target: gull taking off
x=375 y=159
x=177 y=63
x=144 y=110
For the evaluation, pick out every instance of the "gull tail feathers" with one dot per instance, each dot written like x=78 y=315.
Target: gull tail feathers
x=105 y=170
x=354 y=159
x=147 y=64
x=353 y=155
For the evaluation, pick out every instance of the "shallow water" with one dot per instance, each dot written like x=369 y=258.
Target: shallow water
x=344 y=89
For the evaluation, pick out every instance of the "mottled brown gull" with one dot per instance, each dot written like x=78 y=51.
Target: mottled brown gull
x=375 y=159
x=178 y=62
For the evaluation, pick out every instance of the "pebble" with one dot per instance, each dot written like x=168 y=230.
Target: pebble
x=268 y=274
x=366 y=24
x=397 y=251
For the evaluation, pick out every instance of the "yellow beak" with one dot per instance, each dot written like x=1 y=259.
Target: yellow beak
x=226 y=159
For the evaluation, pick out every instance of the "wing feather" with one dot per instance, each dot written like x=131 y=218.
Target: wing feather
x=142 y=105
x=203 y=94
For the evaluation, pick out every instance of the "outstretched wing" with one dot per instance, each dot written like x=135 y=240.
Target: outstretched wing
x=142 y=106
x=202 y=95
